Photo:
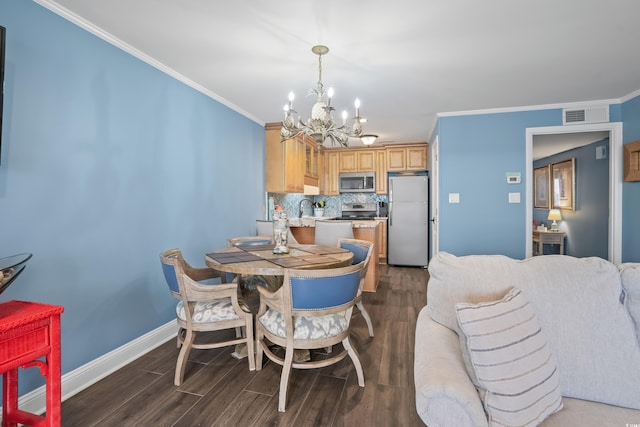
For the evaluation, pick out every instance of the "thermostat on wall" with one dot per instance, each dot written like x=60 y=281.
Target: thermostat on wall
x=513 y=177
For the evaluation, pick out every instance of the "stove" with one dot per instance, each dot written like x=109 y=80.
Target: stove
x=358 y=211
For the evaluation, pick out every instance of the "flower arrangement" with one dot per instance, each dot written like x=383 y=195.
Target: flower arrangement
x=319 y=204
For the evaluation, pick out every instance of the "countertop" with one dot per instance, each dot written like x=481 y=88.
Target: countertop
x=311 y=222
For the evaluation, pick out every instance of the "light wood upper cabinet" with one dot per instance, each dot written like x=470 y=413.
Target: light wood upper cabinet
x=331 y=165
x=366 y=161
x=311 y=161
x=381 y=172
x=401 y=159
x=348 y=161
x=357 y=161
x=284 y=162
x=417 y=158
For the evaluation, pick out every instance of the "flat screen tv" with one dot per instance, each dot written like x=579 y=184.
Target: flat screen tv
x=2 y=37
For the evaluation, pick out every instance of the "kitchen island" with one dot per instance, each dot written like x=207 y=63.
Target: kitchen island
x=304 y=231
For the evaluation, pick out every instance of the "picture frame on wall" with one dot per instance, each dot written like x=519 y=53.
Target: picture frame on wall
x=563 y=184
x=541 y=187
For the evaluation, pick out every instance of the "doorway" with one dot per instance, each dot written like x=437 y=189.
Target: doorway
x=614 y=131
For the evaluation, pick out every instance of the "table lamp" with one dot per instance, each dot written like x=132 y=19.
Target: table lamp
x=554 y=215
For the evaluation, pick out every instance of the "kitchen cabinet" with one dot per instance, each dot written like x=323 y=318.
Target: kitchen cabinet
x=321 y=172
x=292 y=164
x=285 y=162
x=357 y=161
x=382 y=241
x=407 y=158
x=331 y=168
x=311 y=162
x=381 y=172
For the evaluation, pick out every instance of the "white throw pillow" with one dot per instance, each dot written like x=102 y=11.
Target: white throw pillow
x=511 y=360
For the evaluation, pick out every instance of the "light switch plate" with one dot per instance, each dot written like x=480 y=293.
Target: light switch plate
x=454 y=197
x=514 y=197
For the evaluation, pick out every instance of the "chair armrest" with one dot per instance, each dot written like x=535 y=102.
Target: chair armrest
x=270 y=299
x=199 y=274
x=445 y=395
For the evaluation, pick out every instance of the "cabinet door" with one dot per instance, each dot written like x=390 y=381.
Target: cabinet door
x=382 y=241
x=331 y=161
x=294 y=165
x=416 y=158
x=366 y=161
x=348 y=162
x=381 y=172
x=310 y=162
x=396 y=159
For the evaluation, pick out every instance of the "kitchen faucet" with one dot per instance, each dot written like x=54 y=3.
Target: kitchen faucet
x=300 y=207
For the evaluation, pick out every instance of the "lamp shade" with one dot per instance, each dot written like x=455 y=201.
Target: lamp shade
x=368 y=139
x=554 y=215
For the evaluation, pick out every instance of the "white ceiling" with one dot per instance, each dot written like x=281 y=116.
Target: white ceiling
x=406 y=60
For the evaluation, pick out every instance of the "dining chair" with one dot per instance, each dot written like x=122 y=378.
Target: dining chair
x=328 y=232
x=265 y=228
x=204 y=307
x=362 y=251
x=312 y=310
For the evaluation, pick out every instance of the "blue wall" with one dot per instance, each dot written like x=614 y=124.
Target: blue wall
x=631 y=190
x=106 y=162
x=476 y=152
x=587 y=226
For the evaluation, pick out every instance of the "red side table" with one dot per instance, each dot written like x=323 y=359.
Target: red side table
x=30 y=331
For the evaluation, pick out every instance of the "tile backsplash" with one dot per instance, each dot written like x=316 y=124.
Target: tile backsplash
x=290 y=202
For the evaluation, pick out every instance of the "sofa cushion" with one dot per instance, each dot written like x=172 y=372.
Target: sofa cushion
x=630 y=275
x=510 y=360
x=578 y=302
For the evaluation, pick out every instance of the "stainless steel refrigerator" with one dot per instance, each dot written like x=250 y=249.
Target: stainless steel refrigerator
x=408 y=232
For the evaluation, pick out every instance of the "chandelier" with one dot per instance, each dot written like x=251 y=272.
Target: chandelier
x=321 y=125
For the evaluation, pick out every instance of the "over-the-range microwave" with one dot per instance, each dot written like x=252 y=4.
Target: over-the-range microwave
x=359 y=182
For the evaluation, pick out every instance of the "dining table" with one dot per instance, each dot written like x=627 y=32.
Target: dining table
x=259 y=260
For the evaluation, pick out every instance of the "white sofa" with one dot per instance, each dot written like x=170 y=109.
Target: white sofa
x=589 y=312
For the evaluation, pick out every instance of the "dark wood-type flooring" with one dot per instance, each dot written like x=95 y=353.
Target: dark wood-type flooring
x=221 y=391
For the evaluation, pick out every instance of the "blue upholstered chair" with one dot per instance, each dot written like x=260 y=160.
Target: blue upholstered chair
x=362 y=251
x=312 y=310
x=204 y=307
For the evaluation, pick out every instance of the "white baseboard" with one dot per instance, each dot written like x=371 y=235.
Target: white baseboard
x=77 y=380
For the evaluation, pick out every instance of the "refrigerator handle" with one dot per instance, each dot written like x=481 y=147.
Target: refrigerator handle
x=390 y=202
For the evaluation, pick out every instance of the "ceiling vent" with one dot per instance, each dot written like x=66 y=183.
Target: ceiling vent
x=575 y=116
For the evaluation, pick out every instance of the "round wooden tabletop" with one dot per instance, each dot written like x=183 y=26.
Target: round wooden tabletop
x=260 y=260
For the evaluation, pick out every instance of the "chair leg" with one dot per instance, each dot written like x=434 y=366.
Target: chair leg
x=251 y=354
x=366 y=316
x=353 y=354
x=183 y=357
x=259 y=350
x=284 y=378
